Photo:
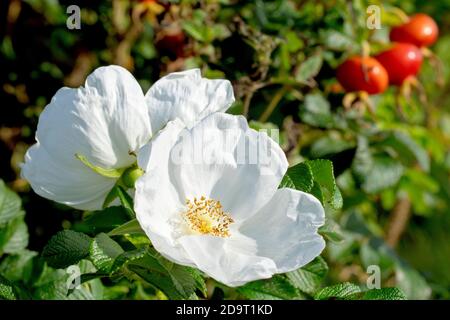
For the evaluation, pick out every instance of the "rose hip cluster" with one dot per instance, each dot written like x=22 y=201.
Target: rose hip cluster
x=399 y=62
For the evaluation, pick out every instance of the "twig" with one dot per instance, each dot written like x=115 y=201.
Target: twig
x=273 y=104
x=398 y=221
x=82 y=67
x=247 y=100
x=246 y=88
x=122 y=51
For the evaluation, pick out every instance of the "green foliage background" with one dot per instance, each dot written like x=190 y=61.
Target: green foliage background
x=390 y=202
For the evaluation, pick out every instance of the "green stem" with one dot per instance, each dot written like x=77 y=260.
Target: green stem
x=273 y=104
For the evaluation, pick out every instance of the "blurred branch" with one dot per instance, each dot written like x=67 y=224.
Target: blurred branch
x=246 y=88
x=398 y=221
x=118 y=16
x=273 y=103
x=15 y=6
x=82 y=67
x=353 y=272
x=293 y=133
x=126 y=37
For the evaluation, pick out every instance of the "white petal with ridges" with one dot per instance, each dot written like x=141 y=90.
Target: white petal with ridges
x=75 y=186
x=156 y=198
x=224 y=170
x=188 y=97
x=285 y=229
x=224 y=263
x=105 y=121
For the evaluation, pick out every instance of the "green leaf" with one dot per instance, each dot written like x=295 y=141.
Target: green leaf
x=177 y=282
x=308 y=278
x=127 y=257
x=66 y=248
x=86 y=277
x=332 y=231
x=324 y=175
x=54 y=285
x=340 y=291
x=338 y=41
x=309 y=68
x=322 y=171
x=129 y=227
x=14 y=236
x=105 y=220
x=376 y=252
x=293 y=42
x=7 y=291
x=412 y=283
x=329 y=145
x=284 y=56
x=104 y=251
x=385 y=173
x=139 y=240
x=9 y=204
x=375 y=172
x=363 y=161
x=298 y=177
x=13 y=230
x=125 y=200
x=407 y=149
x=276 y=288
x=18 y=266
x=316 y=111
x=332 y=236
x=337 y=201
x=110 y=197
x=384 y=294
x=316 y=191
x=219 y=31
x=195 y=31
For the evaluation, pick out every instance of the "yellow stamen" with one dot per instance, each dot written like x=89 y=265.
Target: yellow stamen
x=206 y=216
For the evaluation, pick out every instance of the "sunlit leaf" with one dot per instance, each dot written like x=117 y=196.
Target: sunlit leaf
x=66 y=248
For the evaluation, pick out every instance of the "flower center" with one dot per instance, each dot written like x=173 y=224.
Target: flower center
x=206 y=216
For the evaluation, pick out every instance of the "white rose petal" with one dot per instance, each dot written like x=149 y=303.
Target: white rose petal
x=106 y=121
x=271 y=230
x=187 y=96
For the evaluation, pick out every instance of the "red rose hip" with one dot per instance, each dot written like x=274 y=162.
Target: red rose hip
x=362 y=74
x=421 y=30
x=401 y=61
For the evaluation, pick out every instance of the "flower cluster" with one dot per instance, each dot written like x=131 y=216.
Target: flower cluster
x=223 y=213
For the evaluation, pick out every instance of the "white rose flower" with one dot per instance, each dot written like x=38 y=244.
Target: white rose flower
x=225 y=214
x=87 y=137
